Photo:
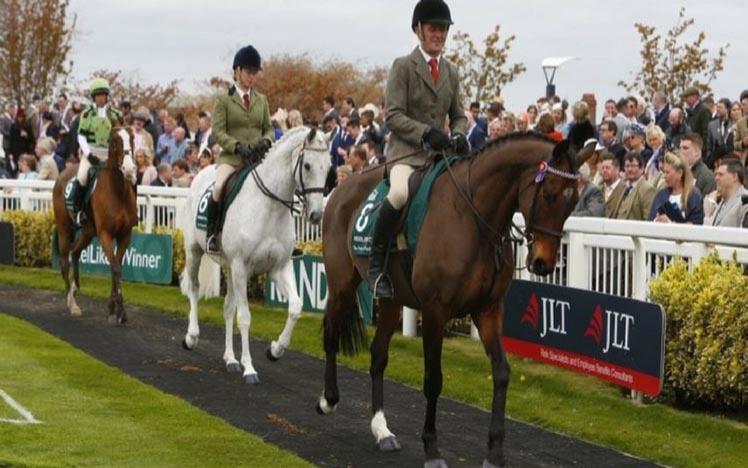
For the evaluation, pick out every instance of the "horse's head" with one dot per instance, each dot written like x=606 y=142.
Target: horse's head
x=548 y=196
x=121 y=143
x=310 y=173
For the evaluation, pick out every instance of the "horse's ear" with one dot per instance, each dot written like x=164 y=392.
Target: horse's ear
x=312 y=134
x=587 y=151
x=561 y=151
x=328 y=137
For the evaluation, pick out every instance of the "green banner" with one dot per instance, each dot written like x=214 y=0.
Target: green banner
x=148 y=259
x=311 y=283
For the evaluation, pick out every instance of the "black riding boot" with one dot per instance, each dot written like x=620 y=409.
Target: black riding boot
x=79 y=214
x=379 y=281
x=212 y=227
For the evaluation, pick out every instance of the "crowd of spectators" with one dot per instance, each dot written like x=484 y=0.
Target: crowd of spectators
x=654 y=160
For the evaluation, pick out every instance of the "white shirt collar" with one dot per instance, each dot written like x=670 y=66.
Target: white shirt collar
x=428 y=57
x=241 y=91
x=101 y=111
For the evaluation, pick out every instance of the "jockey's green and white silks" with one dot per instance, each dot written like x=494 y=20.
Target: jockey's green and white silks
x=96 y=125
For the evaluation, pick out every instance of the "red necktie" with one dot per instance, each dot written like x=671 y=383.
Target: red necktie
x=434 y=66
x=246 y=101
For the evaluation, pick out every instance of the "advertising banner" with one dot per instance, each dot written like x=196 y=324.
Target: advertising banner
x=613 y=338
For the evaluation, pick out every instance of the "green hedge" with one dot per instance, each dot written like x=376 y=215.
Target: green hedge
x=33 y=238
x=707 y=332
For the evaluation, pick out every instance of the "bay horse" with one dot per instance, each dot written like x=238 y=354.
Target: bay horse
x=112 y=215
x=258 y=237
x=463 y=266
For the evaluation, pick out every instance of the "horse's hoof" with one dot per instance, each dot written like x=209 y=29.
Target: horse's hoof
x=75 y=311
x=122 y=320
x=112 y=319
x=389 y=444
x=435 y=463
x=318 y=408
x=269 y=355
x=251 y=379
x=488 y=464
x=233 y=368
x=323 y=407
x=184 y=345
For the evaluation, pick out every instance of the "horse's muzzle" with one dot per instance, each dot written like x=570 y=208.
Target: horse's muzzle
x=540 y=267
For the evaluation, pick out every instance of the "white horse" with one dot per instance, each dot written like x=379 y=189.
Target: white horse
x=258 y=237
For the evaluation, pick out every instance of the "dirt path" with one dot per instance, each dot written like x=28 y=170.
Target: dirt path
x=281 y=408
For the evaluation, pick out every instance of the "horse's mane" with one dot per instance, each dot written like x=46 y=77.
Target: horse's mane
x=532 y=135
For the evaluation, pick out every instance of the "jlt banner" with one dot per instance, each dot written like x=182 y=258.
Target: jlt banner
x=613 y=338
x=311 y=283
x=148 y=259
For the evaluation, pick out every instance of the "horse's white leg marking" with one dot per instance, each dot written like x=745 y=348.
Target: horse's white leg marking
x=379 y=426
x=28 y=418
x=71 y=302
x=324 y=406
x=286 y=283
x=229 y=312
x=191 y=270
x=239 y=277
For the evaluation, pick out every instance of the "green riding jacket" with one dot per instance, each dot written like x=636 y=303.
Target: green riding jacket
x=233 y=123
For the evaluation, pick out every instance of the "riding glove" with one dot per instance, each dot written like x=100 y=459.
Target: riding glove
x=243 y=151
x=436 y=139
x=460 y=144
x=262 y=147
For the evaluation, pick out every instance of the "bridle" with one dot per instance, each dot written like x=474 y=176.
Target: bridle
x=301 y=190
x=498 y=239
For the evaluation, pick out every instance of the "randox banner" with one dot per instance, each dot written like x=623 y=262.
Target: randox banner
x=613 y=338
x=148 y=259
x=311 y=283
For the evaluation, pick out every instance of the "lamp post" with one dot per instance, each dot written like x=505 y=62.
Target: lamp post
x=550 y=65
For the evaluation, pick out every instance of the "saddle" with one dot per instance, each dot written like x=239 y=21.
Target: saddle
x=231 y=188
x=93 y=174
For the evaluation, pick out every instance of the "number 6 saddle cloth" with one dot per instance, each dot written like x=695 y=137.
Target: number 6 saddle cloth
x=420 y=184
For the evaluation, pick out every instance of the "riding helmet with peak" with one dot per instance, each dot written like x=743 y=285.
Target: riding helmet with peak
x=98 y=86
x=431 y=11
x=247 y=57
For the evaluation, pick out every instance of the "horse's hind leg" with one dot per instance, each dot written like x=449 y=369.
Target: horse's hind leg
x=488 y=323
x=191 y=285
x=284 y=280
x=387 y=320
x=239 y=275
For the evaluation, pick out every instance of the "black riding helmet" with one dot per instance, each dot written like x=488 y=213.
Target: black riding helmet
x=431 y=11
x=247 y=57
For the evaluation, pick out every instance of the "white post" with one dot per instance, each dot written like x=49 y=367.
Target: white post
x=576 y=266
x=474 y=331
x=148 y=214
x=639 y=289
x=25 y=199
x=410 y=322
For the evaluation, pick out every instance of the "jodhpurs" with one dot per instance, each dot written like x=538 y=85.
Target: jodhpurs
x=223 y=171
x=398 y=195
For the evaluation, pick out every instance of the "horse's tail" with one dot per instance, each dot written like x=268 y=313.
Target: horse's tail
x=352 y=336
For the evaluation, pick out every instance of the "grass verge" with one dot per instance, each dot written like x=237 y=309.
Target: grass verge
x=95 y=415
x=540 y=394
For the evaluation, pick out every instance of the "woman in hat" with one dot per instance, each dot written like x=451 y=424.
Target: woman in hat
x=241 y=126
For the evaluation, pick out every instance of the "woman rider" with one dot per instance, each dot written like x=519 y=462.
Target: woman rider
x=241 y=126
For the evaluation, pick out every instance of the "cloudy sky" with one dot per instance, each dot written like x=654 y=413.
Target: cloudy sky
x=189 y=40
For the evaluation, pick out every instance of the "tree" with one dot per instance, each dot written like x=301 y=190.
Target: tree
x=154 y=96
x=35 y=40
x=672 y=64
x=484 y=75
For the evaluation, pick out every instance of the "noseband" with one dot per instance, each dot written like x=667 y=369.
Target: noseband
x=302 y=191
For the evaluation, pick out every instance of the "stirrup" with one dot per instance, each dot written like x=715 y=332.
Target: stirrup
x=382 y=287
x=80 y=218
x=211 y=244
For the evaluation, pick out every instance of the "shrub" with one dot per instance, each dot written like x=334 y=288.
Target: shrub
x=33 y=236
x=707 y=332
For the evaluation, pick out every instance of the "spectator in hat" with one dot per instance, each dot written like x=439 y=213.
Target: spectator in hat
x=142 y=139
x=697 y=114
x=205 y=157
x=634 y=138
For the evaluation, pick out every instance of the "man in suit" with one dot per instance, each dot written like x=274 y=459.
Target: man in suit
x=612 y=186
x=476 y=136
x=480 y=121
x=718 y=133
x=741 y=128
x=423 y=89
x=637 y=193
x=662 y=110
x=697 y=114
x=730 y=191
x=591 y=201
x=328 y=107
x=690 y=148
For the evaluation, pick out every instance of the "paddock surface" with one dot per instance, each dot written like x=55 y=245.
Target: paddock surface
x=281 y=408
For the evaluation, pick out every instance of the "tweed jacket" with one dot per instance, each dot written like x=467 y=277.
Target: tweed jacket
x=741 y=131
x=415 y=103
x=233 y=123
x=635 y=205
x=590 y=202
x=613 y=203
x=728 y=212
x=704 y=177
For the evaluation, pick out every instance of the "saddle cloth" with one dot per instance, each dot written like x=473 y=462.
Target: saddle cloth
x=233 y=184
x=93 y=175
x=420 y=184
